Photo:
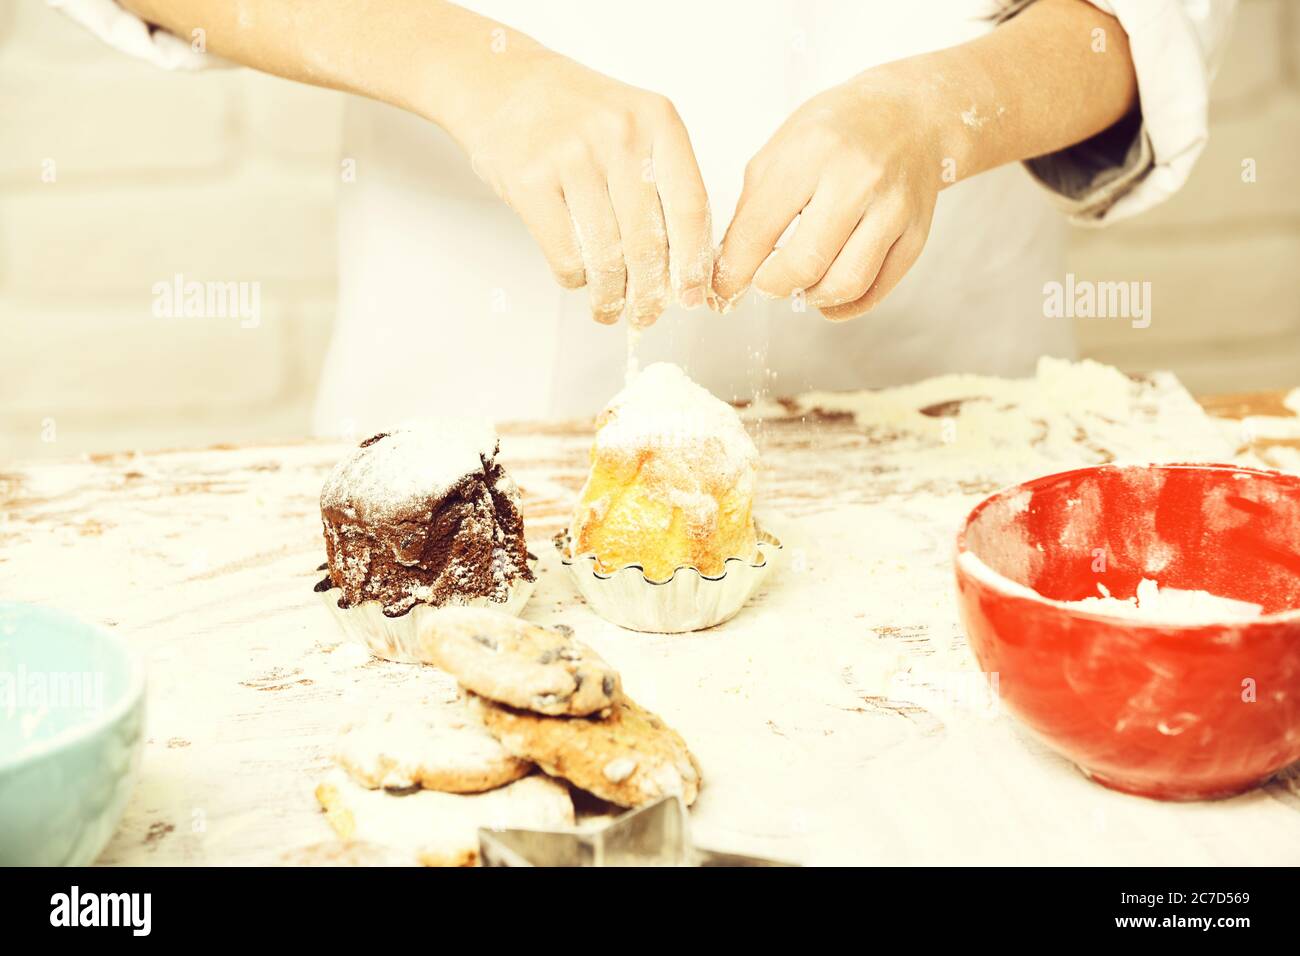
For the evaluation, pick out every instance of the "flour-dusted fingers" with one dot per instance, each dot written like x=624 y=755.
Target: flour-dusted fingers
x=644 y=241
x=824 y=227
x=901 y=256
x=773 y=196
x=856 y=266
x=686 y=214
x=544 y=211
x=611 y=147
x=596 y=226
x=861 y=152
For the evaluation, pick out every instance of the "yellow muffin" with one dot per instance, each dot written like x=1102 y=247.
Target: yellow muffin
x=672 y=481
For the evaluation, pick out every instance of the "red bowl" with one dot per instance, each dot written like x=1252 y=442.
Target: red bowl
x=1177 y=712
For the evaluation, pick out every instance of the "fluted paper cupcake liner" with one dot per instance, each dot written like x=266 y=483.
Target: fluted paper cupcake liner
x=398 y=638
x=688 y=601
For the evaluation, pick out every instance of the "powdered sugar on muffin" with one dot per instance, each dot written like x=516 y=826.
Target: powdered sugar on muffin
x=672 y=480
x=424 y=514
x=661 y=408
x=395 y=472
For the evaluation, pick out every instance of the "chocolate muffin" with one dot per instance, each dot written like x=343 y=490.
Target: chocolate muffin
x=423 y=514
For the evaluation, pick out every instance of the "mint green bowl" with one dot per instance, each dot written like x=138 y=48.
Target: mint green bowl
x=71 y=732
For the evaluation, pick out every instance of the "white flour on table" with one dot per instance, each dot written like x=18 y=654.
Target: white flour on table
x=837 y=719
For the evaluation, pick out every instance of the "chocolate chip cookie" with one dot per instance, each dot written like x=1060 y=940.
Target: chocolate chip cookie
x=520 y=664
x=629 y=758
x=439 y=747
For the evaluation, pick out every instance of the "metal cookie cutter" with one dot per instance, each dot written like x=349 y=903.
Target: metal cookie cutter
x=654 y=835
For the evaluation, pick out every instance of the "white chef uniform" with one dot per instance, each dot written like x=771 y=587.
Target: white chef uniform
x=446 y=304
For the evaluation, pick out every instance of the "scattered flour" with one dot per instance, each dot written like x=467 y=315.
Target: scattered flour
x=969 y=433
x=868 y=533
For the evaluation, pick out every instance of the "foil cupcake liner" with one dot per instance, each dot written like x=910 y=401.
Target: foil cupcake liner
x=688 y=601
x=398 y=638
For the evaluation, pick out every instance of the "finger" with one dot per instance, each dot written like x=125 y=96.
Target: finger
x=824 y=227
x=686 y=216
x=763 y=213
x=900 y=258
x=645 y=244
x=544 y=212
x=857 y=264
x=596 y=228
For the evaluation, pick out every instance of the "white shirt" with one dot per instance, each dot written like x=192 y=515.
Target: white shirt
x=447 y=306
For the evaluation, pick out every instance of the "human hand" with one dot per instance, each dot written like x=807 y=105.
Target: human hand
x=604 y=177
x=861 y=168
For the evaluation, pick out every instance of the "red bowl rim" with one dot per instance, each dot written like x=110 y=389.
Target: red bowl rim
x=1017 y=591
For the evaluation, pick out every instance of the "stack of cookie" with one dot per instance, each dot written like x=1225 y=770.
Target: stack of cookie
x=551 y=700
x=534 y=697
x=421 y=783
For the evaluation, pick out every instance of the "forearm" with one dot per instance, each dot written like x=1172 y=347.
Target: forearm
x=414 y=54
x=565 y=147
x=1039 y=83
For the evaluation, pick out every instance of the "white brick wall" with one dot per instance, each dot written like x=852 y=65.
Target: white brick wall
x=225 y=176
x=1223 y=256
x=232 y=176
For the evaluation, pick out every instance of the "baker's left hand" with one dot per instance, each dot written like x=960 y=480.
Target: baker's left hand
x=861 y=167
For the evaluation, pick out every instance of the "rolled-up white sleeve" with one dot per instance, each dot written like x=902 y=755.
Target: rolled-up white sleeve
x=125 y=31
x=1176 y=46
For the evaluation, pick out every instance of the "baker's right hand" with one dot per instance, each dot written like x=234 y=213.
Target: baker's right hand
x=604 y=176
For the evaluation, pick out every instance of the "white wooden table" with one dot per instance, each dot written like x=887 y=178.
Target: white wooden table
x=838 y=719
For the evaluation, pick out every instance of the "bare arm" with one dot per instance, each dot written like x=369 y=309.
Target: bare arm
x=567 y=148
x=1054 y=76
x=863 y=163
x=411 y=53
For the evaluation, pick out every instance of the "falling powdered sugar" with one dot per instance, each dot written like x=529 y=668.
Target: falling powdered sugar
x=633 y=365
